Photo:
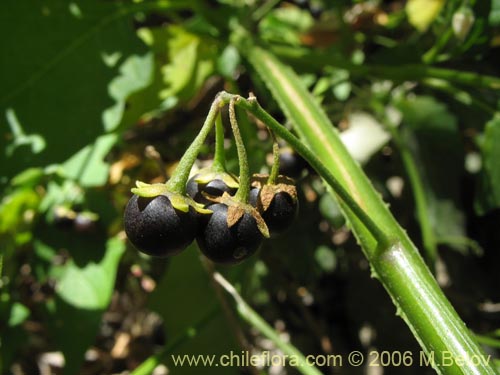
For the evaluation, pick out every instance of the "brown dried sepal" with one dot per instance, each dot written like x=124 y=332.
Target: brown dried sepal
x=283 y=184
x=236 y=210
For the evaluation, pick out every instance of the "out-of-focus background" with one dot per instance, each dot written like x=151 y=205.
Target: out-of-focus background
x=91 y=89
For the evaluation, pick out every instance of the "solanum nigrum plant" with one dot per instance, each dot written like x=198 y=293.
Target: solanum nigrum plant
x=160 y=219
x=235 y=229
x=275 y=197
x=215 y=180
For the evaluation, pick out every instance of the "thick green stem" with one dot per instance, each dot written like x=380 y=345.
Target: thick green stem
x=244 y=189
x=399 y=267
x=418 y=190
x=219 y=163
x=178 y=180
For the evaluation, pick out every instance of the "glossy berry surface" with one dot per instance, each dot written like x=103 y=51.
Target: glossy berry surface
x=280 y=214
x=214 y=188
x=225 y=245
x=156 y=228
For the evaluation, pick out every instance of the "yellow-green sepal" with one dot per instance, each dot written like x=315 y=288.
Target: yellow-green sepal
x=149 y=190
x=204 y=176
x=179 y=202
x=182 y=203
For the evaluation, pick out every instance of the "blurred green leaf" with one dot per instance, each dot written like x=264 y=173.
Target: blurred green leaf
x=228 y=61
x=421 y=13
x=183 y=296
x=431 y=133
x=330 y=210
x=326 y=258
x=56 y=75
x=183 y=60
x=87 y=166
x=18 y=314
x=284 y=25
x=494 y=17
x=488 y=196
x=136 y=75
x=82 y=295
x=17 y=211
x=90 y=287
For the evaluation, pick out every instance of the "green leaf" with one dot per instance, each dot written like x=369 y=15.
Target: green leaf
x=82 y=295
x=228 y=61
x=184 y=296
x=326 y=258
x=284 y=25
x=56 y=75
x=88 y=166
x=136 y=75
x=430 y=131
x=494 y=17
x=421 y=13
x=488 y=196
x=90 y=287
x=18 y=314
x=184 y=61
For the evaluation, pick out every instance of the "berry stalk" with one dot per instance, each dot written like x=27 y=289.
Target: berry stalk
x=219 y=162
x=275 y=169
x=178 y=180
x=244 y=189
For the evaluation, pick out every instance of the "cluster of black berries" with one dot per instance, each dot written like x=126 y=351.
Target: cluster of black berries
x=227 y=230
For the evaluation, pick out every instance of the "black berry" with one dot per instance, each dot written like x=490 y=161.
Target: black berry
x=156 y=228
x=291 y=163
x=228 y=245
x=214 y=188
x=277 y=204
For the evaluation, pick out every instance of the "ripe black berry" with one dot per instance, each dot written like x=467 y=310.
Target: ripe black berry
x=276 y=203
x=291 y=163
x=156 y=228
x=228 y=245
x=214 y=187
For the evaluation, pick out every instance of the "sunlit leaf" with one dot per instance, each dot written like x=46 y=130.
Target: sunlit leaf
x=421 y=13
x=56 y=75
x=90 y=287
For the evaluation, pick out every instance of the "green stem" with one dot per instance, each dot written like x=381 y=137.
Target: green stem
x=431 y=55
x=264 y=9
x=399 y=267
x=219 y=163
x=422 y=207
x=459 y=95
x=411 y=72
x=489 y=341
x=244 y=189
x=252 y=106
x=275 y=168
x=147 y=367
x=178 y=180
x=255 y=320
